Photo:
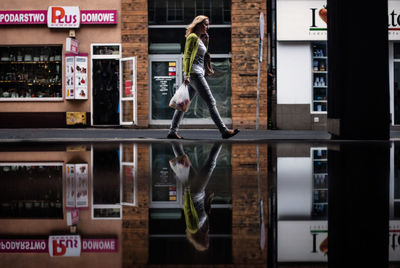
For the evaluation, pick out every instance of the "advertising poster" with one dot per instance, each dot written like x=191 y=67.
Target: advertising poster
x=82 y=185
x=70 y=185
x=69 y=76
x=81 y=76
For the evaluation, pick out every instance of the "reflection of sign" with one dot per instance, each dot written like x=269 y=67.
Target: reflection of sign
x=61 y=245
x=82 y=181
x=63 y=17
x=23 y=246
x=100 y=245
x=77 y=186
x=72 y=217
x=65 y=246
x=302 y=240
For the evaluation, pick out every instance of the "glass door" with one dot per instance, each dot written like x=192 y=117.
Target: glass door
x=165 y=76
x=397 y=92
x=128 y=91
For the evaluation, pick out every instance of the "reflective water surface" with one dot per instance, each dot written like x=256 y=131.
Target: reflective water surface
x=152 y=204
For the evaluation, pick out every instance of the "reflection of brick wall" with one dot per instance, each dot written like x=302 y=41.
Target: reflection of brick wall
x=245 y=204
x=245 y=34
x=135 y=222
x=135 y=43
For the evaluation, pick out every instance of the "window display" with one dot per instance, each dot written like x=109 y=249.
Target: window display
x=320 y=76
x=30 y=73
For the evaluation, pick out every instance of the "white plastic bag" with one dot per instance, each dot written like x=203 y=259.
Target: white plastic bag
x=181 y=167
x=181 y=99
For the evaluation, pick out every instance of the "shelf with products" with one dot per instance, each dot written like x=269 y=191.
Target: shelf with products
x=319 y=182
x=319 y=77
x=30 y=73
x=30 y=62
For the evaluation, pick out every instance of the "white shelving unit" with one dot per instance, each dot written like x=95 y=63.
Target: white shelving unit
x=319 y=77
x=319 y=182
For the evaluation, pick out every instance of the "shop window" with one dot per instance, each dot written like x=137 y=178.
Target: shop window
x=183 y=11
x=396 y=184
x=220 y=83
x=32 y=190
x=320 y=77
x=30 y=73
x=396 y=85
x=103 y=50
x=172 y=40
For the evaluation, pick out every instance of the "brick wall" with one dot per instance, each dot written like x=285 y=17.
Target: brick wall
x=135 y=222
x=245 y=34
x=135 y=43
x=245 y=204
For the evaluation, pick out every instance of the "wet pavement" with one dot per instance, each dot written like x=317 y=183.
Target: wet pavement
x=248 y=202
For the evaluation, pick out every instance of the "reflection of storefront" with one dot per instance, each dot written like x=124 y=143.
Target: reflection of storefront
x=166 y=215
x=44 y=185
x=49 y=66
x=302 y=202
x=302 y=205
x=302 y=64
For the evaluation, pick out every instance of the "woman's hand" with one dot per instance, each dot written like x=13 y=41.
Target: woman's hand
x=205 y=37
x=187 y=80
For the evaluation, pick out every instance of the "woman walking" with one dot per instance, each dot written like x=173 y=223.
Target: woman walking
x=193 y=67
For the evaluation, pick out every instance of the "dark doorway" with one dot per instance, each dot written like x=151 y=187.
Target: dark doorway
x=105 y=92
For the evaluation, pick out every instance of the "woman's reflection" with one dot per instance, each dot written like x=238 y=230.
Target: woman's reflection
x=196 y=200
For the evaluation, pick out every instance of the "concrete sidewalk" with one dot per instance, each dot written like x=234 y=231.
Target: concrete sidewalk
x=151 y=135
x=159 y=135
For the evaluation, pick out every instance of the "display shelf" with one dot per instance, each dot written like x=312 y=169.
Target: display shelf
x=319 y=182
x=38 y=78
x=320 y=72
x=6 y=99
x=30 y=62
x=320 y=58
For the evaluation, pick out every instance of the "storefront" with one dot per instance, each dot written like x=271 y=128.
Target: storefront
x=62 y=65
x=302 y=64
x=167 y=25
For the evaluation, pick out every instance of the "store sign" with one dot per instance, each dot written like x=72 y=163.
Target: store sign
x=307 y=20
x=15 y=17
x=63 y=17
x=98 y=17
x=65 y=246
x=71 y=45
x=58 y=17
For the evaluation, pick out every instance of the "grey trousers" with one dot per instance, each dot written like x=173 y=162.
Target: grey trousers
x=198 y=84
